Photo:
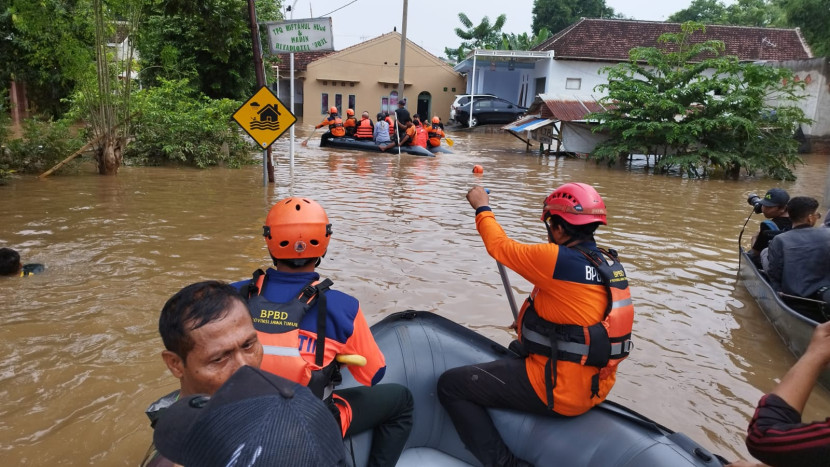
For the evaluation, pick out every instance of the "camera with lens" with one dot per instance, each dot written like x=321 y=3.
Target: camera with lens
x=754 y=200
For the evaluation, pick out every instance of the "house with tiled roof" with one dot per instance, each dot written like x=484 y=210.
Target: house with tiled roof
x=574 y=56
x=365 y=77
x=570 y=64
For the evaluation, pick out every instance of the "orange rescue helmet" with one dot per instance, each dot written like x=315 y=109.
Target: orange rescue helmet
x=349 y=112
x=297 y=228
x=576 y=203
x=435 y=119
x=333 y=110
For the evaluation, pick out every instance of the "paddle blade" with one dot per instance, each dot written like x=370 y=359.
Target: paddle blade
x=304 y=143
x=449 y=141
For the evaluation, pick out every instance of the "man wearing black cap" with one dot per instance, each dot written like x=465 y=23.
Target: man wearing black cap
x=774 y=208
x=255 y=419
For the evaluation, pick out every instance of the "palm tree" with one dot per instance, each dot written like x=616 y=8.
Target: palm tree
x=483 y=36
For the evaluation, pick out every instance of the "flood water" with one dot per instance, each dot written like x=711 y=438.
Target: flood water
x=81 y=351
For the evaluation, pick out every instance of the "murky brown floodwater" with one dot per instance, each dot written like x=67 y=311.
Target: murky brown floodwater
x=81 y=349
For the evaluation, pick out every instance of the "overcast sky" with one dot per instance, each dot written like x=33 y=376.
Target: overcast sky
x=432 y=23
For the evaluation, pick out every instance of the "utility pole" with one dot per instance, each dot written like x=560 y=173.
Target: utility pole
x=260 y=79
x=403 y=52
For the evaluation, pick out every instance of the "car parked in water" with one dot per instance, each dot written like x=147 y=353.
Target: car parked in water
x=463 y=99
x=489 y=110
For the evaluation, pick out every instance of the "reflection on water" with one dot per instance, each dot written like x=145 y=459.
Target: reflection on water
x=82 y=349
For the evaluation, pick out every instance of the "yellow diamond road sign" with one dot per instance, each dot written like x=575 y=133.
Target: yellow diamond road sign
x=264 y=117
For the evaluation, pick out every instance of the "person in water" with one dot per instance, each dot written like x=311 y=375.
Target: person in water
x=208 y=335
x=305 y=325
x=10 y=264
x=574 y=329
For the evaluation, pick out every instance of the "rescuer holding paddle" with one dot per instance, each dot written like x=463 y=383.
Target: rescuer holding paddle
x=574 y=329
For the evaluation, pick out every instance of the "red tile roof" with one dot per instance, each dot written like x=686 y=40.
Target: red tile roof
x=611 y=39
x=301 y=60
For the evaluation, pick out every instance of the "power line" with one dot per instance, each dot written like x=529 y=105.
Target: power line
x=338 y=9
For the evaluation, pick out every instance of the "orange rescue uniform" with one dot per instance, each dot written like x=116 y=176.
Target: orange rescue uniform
x=564 y=294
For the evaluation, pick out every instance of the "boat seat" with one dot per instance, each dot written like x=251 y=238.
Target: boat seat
x=420 y=457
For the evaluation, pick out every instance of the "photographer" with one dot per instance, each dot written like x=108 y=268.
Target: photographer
x=774 y=207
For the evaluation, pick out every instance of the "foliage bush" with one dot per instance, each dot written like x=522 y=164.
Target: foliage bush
x=699 y=111
x=44 y=144
x=173 y=123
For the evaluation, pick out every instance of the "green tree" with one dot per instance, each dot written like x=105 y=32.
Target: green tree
x=523 y=41
x=48 y=45
x=813 y=17
x=556 y=15
x=759 y=13
x=481 y=36
x=695 y=109
x=206 y=41
x=701 y=11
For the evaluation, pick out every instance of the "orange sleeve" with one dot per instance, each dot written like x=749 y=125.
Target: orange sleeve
x=533 y=262
x=363 y=343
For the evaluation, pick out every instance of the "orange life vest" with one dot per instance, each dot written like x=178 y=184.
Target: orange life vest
x=420 y=138
x=278 y=329
x=349 y=126
x=435 y=134
x=364 y=129
x=602 y=345
x=336 y=127
x=391 y=123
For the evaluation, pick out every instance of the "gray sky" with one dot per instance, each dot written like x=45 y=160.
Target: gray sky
x=431 y=23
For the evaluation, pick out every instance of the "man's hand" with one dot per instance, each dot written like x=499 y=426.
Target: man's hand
x=478 y=197
x=820 y=343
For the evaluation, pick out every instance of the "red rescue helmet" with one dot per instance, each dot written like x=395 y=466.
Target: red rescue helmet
x=349 y=112
x=576 y=203
x=435 y=119
x=333 y=110
x=297 y=228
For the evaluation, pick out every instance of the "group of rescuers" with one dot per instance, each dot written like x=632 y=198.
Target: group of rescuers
x=573 y=331
x=401 y=130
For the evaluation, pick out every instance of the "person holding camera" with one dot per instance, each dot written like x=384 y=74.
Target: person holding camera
x=774 y=207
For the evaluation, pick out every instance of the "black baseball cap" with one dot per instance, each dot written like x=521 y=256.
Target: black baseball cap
x=775 y=197
x=255 y=419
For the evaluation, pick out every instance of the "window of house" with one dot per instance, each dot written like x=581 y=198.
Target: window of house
x=384 y=104
x=573 y=83
x=338 y=102
x=324 y=108
x=393 y=99
x=352 y=104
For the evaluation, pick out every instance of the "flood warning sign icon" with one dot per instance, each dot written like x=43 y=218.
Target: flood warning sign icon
x=264 y=117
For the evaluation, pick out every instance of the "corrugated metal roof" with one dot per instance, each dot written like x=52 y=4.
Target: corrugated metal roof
x=528 y=124
x=568 y=108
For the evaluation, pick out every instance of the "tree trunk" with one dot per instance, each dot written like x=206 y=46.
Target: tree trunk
x=109 y=155
x=734 y=171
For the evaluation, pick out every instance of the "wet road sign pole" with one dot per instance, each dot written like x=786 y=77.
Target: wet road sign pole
x=265 y=167
x=291 y=144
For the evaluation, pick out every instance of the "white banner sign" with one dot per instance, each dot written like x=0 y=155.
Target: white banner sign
x=300 y=35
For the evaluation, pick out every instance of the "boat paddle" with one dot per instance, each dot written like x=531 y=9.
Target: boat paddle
x=397 y=134
x=449 y=141
x=305 y=143
x=506 y=282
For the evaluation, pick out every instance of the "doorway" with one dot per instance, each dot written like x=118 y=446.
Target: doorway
x=424 y=104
